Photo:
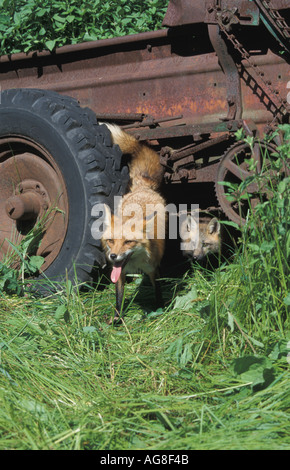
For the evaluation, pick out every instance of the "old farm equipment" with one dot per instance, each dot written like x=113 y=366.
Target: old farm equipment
x=216 y=67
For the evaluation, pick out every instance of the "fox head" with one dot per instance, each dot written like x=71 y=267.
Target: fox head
x=121 y=243
x=200 y=239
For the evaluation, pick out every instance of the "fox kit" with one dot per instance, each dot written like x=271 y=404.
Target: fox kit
x=135 y=244
x=201 y=237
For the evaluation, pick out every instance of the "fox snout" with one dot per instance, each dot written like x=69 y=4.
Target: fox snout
x=118 y=258
x=198 y=256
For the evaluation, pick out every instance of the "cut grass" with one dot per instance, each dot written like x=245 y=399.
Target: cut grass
x=158 y=381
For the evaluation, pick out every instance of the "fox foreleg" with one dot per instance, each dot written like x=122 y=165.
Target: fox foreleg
x=156 y=283
x=119 y=286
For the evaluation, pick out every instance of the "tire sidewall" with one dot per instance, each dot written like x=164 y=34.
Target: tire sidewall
x=25 y=123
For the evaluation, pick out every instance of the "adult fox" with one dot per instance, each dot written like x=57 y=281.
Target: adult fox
x=134 y=235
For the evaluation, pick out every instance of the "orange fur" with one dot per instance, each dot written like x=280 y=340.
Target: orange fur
x=134 y=236
x=145 y=168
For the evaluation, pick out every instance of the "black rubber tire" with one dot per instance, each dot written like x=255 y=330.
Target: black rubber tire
x=90 y=166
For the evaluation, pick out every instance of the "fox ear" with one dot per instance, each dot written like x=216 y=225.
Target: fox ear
x=214 y=226
x=107 y=216
x=191 y=223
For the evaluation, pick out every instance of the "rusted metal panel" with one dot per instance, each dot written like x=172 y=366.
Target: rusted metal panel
x=280 y=4
x=180 y=12
x=162 y=74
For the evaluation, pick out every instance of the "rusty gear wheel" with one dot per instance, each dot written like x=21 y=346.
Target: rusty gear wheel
x=234 y=168
x=56 y=163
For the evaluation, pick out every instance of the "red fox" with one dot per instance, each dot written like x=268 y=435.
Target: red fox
x=201 y=237
x=135 y=243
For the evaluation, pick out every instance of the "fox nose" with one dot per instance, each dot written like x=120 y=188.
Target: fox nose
x=113 y=256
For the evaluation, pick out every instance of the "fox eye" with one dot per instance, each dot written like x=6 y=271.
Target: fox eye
x=129 y=242
x=110 y=241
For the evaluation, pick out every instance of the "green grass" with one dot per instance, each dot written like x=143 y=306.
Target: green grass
x=209 y=371
x=158 y=381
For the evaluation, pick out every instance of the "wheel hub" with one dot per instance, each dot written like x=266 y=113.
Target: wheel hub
x=29 y=201
x=32 y=192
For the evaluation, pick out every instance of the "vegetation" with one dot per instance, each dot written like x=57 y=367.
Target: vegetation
x=210 y=371
x=29 y=25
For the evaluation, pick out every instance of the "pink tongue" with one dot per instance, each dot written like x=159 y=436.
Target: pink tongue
x=115 y=274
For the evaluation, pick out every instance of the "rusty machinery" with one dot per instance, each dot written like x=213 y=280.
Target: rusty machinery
x=216 y=67
x=227 y=23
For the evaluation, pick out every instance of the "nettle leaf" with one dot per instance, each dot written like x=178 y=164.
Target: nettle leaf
x=229 y=223
x=91 y=37
x=41 y=12
x=156 y=313
x=62 y=312
x=183 y=302
x=282 y=186
x=254 y=247
x=32 y=406
x=88 y=330
x=59 y=19
x=267 y=246
x=70 y=18
x=50 y=44
x=228 y=184
x=280 y=350
x=180 y=351
x=9 y=280
x=286 y=129
x=286 y=300
x=257 y=370
x=35 y=263
x=17 y=18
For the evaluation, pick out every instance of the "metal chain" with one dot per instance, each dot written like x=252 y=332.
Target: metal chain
x=279 y=20
x=281 y=105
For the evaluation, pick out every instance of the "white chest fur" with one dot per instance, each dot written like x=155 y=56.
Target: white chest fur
x=139 y=262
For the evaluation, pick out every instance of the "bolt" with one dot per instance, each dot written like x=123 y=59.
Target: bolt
x=26 y=206
x=225 y=18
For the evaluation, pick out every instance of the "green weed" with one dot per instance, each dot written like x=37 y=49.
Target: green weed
x=27 y=25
